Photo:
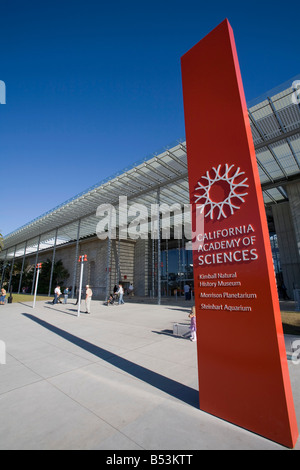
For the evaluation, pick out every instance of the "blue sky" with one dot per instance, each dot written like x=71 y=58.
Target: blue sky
x=93 y=86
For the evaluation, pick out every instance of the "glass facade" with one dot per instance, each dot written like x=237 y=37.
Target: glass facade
x=275 y=253
x=176 y=265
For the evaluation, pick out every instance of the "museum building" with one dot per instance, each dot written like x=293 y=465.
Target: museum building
x=159 y=265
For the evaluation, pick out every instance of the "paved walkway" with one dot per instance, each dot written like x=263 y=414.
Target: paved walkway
x=116 y=380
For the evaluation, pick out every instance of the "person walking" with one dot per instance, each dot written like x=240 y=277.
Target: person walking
x=120 y=293
x=88 y=298
x=57 y=294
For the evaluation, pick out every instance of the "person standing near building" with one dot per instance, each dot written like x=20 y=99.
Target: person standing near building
x=57 y=294
x=120 y=293
x=88 y=298
x=130 y=290
x=66 y=294
x=187 y=291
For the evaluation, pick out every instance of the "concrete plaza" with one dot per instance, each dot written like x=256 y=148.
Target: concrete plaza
x=117 y=379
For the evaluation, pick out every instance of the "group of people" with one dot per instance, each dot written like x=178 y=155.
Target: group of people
x=58 y=294
x=117 y=295
x=67 y=290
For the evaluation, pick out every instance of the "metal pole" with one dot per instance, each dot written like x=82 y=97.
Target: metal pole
x=12 y=268
x=108 y=261
x=167 y=265
x=76 y=258
x=36 y=260
x=36 y=285
x=52 y=265
x=153 y=267
x=119 y=257
x=179 y=268
x=23 y=262
x=158 y=251
x=184 y=260
x=80 y=287
x=4 y=267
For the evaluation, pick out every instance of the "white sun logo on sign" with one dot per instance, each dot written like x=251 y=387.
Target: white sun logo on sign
x=222 y=192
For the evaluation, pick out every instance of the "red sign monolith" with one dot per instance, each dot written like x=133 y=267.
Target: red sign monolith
x=242 y=363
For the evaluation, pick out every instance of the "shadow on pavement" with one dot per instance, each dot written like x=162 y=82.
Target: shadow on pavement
x=171 y=387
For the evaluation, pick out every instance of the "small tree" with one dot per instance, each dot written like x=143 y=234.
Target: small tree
x=60 y=274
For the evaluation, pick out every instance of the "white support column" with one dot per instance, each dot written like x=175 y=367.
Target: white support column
x=11 y=269
x=22 y=270
x=52 y=265
x=36 y=261
x=76 y=259
x=3 y=268
x=107 y=287
x=158 y=251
